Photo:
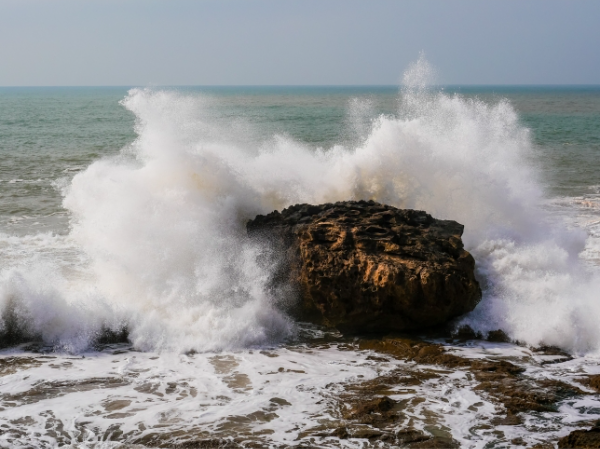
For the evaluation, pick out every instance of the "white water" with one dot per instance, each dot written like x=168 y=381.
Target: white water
x=282 y=396
x=157 y=238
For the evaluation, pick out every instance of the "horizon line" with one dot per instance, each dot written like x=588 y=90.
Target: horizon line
x=289 y=85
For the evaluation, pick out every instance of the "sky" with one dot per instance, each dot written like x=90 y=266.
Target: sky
x=296 y=42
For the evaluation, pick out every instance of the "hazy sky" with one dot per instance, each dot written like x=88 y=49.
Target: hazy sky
x=223 y=42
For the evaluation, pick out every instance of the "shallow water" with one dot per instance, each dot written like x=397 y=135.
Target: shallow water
x=281 y=396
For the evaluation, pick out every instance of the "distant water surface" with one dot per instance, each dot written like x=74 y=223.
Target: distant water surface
x=47 y=134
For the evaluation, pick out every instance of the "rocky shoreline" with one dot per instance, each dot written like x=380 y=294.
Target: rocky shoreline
x=366 y=410
x=414 y=395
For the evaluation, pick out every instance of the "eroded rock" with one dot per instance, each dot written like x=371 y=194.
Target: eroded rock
x=362 y=266
x=582 y=438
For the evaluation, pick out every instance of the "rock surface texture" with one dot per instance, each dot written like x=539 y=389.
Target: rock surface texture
x=582 y=438
x=361 y=266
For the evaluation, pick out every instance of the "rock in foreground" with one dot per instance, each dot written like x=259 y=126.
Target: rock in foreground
x=582 y=438
x=363 y=266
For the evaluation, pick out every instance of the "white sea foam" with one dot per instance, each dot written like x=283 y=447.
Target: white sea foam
x=161 y=228
x=279 y=396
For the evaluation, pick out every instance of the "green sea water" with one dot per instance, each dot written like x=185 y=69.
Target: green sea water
x=48 y=134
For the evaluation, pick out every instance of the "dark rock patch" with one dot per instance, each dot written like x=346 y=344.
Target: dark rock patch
x=107 y=336
x=509 y=420
x=466 y=332
x=582 y=438
x=501 y=380
x=591 y=381
x=498 y=336
x=374 y=411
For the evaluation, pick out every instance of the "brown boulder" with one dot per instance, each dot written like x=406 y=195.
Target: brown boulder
x=582 y=438
x=362 y=266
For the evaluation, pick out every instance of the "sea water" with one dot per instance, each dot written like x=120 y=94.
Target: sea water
x=125 y=208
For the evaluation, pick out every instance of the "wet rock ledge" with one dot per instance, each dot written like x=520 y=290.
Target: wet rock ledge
x=361 y=266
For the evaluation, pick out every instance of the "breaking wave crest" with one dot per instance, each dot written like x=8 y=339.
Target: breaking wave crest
x=157 y=241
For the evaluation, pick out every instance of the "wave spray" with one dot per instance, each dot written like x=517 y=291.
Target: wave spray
x=157 y=239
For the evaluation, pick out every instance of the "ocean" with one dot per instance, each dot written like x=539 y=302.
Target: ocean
x=123 y=211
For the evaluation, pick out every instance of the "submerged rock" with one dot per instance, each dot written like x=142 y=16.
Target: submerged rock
x=361 y=266
x=500 y=381
x=582 y=438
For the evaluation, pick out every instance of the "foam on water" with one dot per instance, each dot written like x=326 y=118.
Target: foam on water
x=159 y=231
x=277 y=396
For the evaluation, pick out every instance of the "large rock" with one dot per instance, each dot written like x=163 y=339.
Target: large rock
x=363 y=266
